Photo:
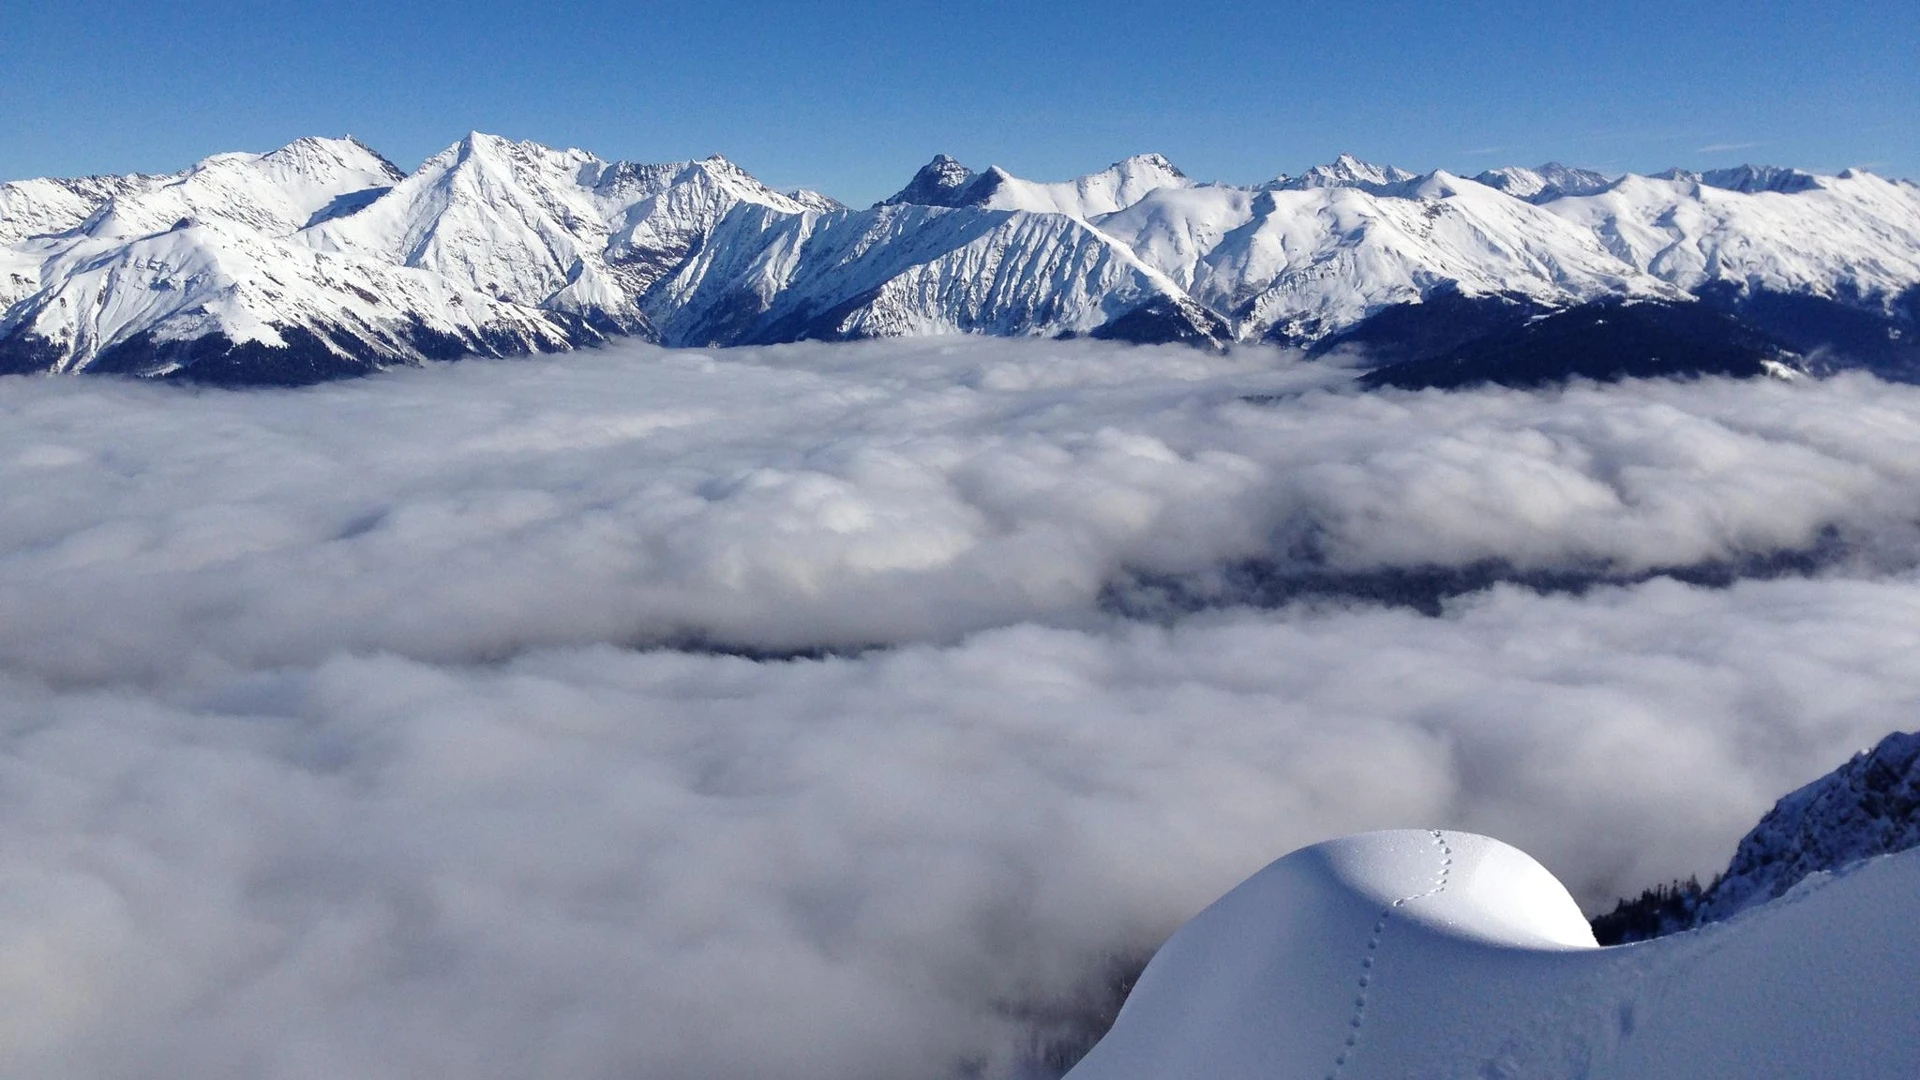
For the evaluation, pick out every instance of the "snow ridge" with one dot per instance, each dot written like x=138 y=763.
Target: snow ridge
x=321 y=258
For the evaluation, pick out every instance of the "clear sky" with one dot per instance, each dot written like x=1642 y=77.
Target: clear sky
x=852 y=97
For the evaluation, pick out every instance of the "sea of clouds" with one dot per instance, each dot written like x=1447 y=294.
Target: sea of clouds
x=788 y=712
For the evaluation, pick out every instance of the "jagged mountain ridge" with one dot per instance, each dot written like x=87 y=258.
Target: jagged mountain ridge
x=1867 y=807
x=321 y=259
x=1544 y=183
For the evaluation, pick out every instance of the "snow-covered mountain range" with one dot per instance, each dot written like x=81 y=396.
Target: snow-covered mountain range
x=322 y=259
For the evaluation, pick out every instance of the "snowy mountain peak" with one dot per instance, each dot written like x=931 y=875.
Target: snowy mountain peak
x=481 y=140
x=738 y=184
x=939 y=182
x=312 y=156
x=1748 y=179
x=519 y=154
x=814 y=201
x=1155 y=165
x=945 y=182
x=45 y=206
x=276 y=193
x=1751 y=179
x=1543 y=183
x=1108 y=191
x=1346 y=171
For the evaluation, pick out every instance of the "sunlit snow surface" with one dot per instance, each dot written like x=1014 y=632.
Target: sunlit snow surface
x=1445 y=954
x=380 y=729
x=323 y=248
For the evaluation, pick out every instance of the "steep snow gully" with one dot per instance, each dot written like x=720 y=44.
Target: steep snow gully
x=1474 y=961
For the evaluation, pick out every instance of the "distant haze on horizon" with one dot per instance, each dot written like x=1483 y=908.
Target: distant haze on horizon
x=853 y=99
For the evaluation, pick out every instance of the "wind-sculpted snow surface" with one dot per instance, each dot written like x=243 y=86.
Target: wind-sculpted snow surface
x=1438 y=953
x=775 y=712
x=321 y=260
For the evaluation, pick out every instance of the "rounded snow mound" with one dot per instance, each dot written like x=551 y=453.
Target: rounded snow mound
x=1444 y=954
x=1292 y=969
x=1450 y=883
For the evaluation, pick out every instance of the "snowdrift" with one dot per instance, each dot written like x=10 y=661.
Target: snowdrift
x=1440 y=954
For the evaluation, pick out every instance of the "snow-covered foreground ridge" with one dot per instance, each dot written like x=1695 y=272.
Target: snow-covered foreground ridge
x=1445 y=954
x=323 y=259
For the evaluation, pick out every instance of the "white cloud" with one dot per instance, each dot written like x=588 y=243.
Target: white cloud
x=325 y=751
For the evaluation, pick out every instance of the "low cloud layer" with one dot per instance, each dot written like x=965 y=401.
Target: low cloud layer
x=804 y=496
x=340 y=737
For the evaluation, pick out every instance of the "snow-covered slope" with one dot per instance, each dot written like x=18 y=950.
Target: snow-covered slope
x=1114 y=188
x=321 y=259
x=166 y=275
x=37 y=207
x=1444 y=954
x=554 y=229
x=276 y=194
x=902 y=269
x=1854 y=236
x=1302 y=262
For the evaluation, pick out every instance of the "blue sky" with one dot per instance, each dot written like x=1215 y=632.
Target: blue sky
x=850 y=98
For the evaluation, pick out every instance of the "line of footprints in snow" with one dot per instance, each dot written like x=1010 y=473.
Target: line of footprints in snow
x=1373 y=947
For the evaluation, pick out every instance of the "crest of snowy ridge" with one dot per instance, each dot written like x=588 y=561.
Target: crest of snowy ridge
x=322 y=258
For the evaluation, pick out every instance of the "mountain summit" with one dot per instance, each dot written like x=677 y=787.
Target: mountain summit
x=940 y=182
x=1544 y=183
x=1346 y=171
